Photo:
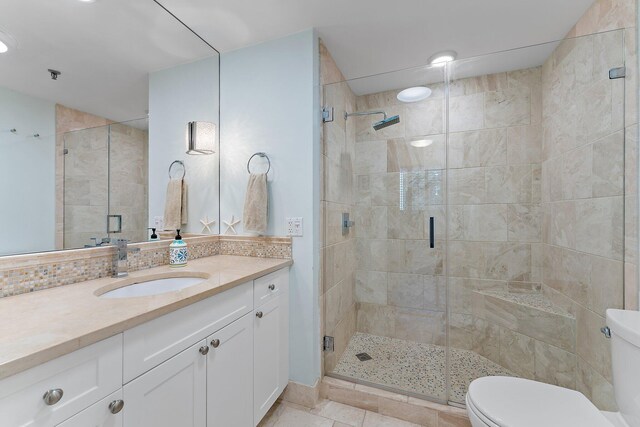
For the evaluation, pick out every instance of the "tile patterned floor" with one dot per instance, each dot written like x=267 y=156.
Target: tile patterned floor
x=414 y=367
x=327 y=414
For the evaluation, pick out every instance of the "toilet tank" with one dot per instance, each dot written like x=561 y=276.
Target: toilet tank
x=625 y=362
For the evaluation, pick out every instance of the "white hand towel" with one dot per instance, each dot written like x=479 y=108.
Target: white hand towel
x=175 y=210
x=256 y=202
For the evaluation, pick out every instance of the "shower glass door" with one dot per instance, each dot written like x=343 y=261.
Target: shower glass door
x=86 y=187
x=536 y=207
x=384 y=290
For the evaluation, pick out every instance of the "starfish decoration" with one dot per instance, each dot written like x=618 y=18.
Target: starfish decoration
x=206 y=224
x=231 y=225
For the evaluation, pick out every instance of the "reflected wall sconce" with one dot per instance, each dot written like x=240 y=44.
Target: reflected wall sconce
x=201 y=138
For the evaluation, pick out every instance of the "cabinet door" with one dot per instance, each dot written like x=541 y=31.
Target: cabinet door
x=99 y=414
x=172 y=394
x=270 y=354
x=230 y=375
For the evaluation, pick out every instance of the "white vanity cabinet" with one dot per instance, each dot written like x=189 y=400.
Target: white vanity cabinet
x=220 y=362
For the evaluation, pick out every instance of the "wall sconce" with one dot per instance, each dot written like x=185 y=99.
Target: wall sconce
x=201 y=138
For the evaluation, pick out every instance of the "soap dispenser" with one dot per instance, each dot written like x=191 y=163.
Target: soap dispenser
x=154 y=236
x=178 y=252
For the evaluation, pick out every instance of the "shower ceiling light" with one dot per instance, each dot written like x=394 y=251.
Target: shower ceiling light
x=6 y=42
x=414 y=94
x=421 y=143
x=441 y=58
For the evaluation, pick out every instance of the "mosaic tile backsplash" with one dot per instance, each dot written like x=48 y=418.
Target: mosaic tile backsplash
x=21 y=274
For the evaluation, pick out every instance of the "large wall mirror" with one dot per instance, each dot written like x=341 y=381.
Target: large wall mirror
x=99 y=102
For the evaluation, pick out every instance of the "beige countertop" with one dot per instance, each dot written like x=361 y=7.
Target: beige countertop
x=40 y=326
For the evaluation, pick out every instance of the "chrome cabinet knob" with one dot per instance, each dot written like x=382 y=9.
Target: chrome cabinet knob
x=215 y=343
x=272 y=287
x=116 y=406
x=259 y=315
x=53 y=396
x=204 y=350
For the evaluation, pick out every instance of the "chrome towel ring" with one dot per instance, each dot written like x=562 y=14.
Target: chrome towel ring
x=259 y=154
x=179 y=162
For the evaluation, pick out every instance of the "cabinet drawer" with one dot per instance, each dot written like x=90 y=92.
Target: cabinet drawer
x=97 y=415
x=84 y=376
x=270 y=286
x=154 y=342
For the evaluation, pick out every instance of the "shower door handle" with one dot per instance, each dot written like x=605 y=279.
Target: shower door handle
x=432 y=229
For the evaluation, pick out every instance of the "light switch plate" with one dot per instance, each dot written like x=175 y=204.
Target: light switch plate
x=294 y=226
x=158 y=222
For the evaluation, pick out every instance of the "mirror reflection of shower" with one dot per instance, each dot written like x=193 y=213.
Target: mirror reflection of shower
x=385 y=122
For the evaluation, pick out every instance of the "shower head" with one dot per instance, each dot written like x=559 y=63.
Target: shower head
x=385 y=122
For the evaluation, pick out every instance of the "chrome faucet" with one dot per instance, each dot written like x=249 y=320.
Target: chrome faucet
x=96 y=244
x=122 y=267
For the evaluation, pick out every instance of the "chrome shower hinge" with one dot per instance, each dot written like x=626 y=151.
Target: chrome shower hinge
x=327 y=114
x=617 y=73
x=346 y=223
x=327 y=343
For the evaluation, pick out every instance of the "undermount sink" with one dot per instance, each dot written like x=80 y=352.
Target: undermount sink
x=144 y=288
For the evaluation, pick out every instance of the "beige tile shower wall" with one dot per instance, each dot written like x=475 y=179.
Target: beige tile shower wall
x=129 y=176
x=337 y=300
x=400 y=282
x=494 y=188
x=590 y=183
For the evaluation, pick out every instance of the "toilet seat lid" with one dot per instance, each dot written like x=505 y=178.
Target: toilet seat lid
x=508 y=402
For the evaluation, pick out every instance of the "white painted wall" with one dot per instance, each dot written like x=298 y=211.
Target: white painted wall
x=269 y=102
x=178 y=95
x=27 y=173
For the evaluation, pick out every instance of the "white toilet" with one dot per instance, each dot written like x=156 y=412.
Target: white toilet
x=516 y=402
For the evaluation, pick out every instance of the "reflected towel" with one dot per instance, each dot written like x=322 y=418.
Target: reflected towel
x=256 y=204
x=175 y=209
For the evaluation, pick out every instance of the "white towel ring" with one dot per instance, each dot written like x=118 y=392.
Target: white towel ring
x=180 y=162
x=260 y=154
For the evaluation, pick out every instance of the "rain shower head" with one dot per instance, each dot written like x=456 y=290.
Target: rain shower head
x=385 y=122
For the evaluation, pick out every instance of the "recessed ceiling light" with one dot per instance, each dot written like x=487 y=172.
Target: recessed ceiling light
x=414 y=94
x=6 y=42
x=87 y=1
x=421 y=143
x=441 y=58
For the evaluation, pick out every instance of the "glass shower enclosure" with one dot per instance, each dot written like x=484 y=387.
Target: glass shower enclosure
x=105 y=184
x=489 y=223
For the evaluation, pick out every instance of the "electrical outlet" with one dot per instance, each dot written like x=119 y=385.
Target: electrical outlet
x=294 y=226
x=158 y=222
